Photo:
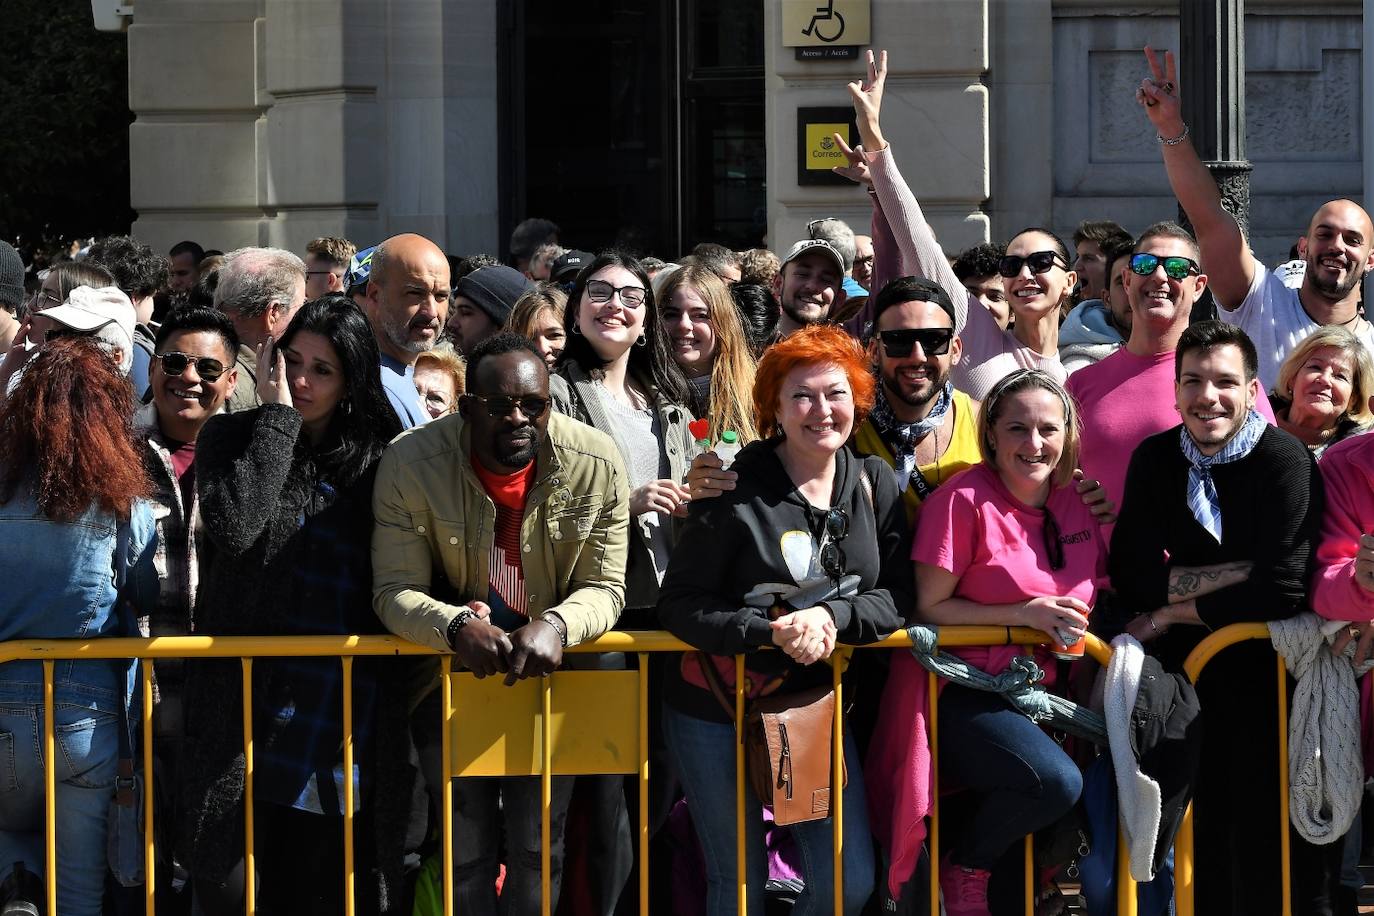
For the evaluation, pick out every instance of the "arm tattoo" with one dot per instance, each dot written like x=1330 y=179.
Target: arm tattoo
x=1186 y=583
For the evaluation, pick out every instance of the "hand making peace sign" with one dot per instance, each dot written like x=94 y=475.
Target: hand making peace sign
x=1158 y=95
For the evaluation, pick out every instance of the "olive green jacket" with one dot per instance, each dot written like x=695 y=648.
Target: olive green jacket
x=435 y=521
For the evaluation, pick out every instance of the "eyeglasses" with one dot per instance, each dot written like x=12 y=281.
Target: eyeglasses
x=858 y=261
x=45 y=300
x=901 y=342
x=322 y=273
x=1176 y=267
x=174 y=364
x=500 y=405
x=833 y=560
x=1054 y=547
x=601 y=291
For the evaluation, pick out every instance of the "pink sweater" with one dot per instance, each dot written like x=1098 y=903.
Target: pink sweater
x=990 y=353
x=1348 y=472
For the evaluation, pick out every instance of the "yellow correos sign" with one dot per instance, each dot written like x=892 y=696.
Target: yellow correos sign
x=822 y=152
x=818 y=23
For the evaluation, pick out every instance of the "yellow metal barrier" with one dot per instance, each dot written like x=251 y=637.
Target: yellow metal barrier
x=554 y=749
x=1184 y=863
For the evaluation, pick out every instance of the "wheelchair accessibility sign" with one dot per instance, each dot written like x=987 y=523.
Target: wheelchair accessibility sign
x=825 y=27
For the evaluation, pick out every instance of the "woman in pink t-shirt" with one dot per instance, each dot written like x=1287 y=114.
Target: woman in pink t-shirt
x=1007 y=543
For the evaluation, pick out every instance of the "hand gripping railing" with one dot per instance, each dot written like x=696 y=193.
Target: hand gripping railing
x=549 y=744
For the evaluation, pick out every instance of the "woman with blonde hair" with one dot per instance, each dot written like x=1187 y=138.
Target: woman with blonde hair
x=709 y=345
x=1323 y=390
x=438 y=378
x=1005 y=543
x=538 y=315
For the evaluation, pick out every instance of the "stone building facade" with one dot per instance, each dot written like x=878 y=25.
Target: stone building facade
x=274 y=121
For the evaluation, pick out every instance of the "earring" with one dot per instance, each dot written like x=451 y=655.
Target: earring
x=642 y=340
x=577 y=332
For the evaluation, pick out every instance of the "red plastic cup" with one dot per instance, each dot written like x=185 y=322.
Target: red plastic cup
x=1069 y=651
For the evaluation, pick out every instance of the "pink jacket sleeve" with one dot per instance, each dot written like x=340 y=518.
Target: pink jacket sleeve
x=887 y=266
x=1349 y=513
x=923 y=257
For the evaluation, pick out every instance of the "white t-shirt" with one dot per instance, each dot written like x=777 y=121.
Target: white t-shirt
x=1274 y=318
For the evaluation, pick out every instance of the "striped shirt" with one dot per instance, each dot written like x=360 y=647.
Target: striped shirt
x=506 y=575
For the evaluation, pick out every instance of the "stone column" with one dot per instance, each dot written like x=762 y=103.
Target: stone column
x=1211 y=69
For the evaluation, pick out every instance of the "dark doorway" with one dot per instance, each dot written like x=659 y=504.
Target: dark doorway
x=636 y=123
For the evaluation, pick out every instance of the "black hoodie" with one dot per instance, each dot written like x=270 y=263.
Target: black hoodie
x=732 y=543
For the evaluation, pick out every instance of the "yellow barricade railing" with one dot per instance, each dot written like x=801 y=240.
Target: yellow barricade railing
x=1184 y=861
x=642 y=643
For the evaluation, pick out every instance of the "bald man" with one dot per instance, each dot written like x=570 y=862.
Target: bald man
x=407 y=302
x=1338 y=247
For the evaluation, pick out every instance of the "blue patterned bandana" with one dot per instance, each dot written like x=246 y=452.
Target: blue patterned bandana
x=1202 y=493
x=902 y=437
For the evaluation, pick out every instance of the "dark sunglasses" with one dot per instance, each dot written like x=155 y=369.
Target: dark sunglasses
x=601 y=291
x=59 y=333
x=1009 y=265
x=901 y=342
x=1176 y=267
x=174 y=364
x=833 y=560
x=500 y=405
x=1054 y=547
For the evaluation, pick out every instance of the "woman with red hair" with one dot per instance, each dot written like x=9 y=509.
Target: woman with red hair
x=805 y=512
x=78 y=539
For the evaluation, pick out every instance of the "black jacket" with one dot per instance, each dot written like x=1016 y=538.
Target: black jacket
x=256 y=480
x=1271 y=510
x=730 y=544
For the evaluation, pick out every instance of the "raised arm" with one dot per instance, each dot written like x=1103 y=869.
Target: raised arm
x=921 y=253
x=1225 y=255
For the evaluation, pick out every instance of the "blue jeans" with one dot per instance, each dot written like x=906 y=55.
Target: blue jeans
x=705 y=756
x=87 y=743
x=1022 y=779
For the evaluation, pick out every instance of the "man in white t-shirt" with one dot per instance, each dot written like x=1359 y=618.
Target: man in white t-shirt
x=1338 y=248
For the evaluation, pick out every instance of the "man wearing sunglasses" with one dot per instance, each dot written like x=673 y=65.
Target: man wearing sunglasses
x=1338 y=247
x=191 y=376
x=1129 y=396
x=502 y=536
x=919 y=424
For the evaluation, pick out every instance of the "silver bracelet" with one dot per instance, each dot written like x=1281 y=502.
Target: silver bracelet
x=1176 y=140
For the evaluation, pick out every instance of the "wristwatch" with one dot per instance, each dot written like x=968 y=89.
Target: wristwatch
x=459 y=621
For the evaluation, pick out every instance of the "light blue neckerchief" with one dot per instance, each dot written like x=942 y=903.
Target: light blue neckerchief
x=1202 y=493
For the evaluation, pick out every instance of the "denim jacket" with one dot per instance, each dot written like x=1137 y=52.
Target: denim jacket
x=60 y=582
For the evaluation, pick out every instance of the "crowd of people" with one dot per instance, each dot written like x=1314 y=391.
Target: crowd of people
x=767 y=454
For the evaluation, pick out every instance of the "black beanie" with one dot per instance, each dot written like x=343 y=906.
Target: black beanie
x=494 y=290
